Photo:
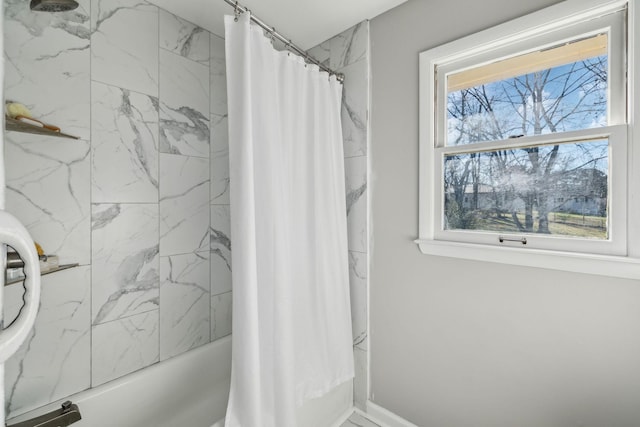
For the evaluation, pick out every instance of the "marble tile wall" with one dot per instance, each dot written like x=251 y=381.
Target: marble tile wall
x=348 y=53
x=55 y=360
x=184 y=324
x=140 y=201
x=124 y=134
x=184 y=105
x=124 y=260
x=220 y=221
x=124 y=44
x=47 y=68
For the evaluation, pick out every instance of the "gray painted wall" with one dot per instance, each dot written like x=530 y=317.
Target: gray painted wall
x=460 y=343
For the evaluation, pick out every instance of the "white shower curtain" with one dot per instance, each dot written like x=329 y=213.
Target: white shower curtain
x=291 y=311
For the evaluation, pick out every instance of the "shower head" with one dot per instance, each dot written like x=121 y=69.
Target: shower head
x=53 y=5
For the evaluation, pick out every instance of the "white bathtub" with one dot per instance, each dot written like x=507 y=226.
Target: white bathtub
x=190 y=390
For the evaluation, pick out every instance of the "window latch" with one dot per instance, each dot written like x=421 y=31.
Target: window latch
x=522 y=240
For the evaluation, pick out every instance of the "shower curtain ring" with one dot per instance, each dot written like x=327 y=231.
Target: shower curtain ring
x=236 y=12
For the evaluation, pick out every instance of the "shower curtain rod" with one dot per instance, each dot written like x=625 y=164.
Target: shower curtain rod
x=287 y=42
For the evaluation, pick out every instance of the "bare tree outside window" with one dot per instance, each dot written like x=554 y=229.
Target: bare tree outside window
x=551 y=189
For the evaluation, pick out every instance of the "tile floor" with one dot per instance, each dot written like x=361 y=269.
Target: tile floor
x=357 y=420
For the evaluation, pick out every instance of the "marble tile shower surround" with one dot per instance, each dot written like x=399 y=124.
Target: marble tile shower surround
x=183 y=38
x=220 y=241
x=124 y=44
x=184 y=324
x=184 y=204
x=124 y=346
x=132 y=201
x=47 y=69
x=124 y=260
x=348 y=53
x=184 y=105
x=51 y=78
x=115 y=72
x=218 y=67
x=124 y=134
x=219 y=160
x=58 y=348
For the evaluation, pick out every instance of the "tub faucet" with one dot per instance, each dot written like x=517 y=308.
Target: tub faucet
x=68 y=414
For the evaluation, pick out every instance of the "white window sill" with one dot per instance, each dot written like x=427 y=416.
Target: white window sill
x=603 y=265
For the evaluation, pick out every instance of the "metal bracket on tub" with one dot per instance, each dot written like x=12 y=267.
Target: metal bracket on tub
x=68 y=414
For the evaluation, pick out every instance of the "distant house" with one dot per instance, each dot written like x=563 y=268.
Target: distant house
x=490 y=199
x=581 y=205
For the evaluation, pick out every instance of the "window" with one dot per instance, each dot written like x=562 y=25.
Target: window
x=525 y=140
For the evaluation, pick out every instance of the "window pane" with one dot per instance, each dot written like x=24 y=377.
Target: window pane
x=556 y=90
x=552 y=189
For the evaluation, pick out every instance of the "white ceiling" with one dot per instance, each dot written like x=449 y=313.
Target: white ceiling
x=306 y=22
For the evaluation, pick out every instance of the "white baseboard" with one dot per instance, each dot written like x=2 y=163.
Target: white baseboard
x=344 y=417
x=384 y=417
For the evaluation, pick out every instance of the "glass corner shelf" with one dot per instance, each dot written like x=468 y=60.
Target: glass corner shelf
x=19 y=126
x=42 y=273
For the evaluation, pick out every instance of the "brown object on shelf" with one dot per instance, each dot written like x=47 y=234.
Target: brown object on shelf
x=20 y=126
x=36 y=122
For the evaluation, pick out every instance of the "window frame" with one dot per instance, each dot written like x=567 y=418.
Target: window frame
x=621 y=259
x=616 y=244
